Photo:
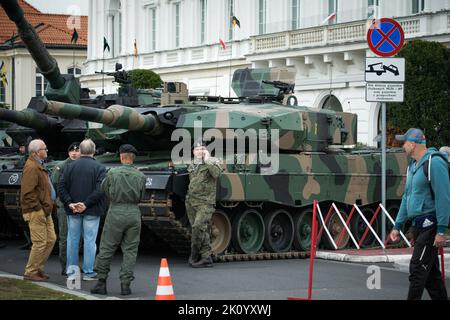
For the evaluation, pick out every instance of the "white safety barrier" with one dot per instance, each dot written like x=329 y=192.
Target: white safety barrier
x=345 y=224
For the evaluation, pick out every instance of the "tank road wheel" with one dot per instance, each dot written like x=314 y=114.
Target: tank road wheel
x=303 y=230
x=279 y=233
x=220 y=232
x=335 y=227
x=248 y=231
x=358 y=227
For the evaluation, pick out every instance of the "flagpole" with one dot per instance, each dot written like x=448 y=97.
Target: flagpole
x=103 y=74
x=231 y=60
x=217 y=65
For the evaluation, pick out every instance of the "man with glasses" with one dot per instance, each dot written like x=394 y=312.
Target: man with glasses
x=426 y=203
x=37 y=200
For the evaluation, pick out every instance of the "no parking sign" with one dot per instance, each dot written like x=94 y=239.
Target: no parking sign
x=385 y=37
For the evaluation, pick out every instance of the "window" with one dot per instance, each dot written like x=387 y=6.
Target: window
x=41 y=84
x=262 y=16
x=230 y=15
x=177 y=25
x=332 y=103
x=333 y=8
x=295 y=14
x=202 y=21
x=77 y=73
x=373 y=8
x=418 y=6
x=2 y=92
x=153 y=19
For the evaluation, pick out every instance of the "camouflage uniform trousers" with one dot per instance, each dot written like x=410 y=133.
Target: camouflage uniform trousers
x=122 y=228
x=200 y=214
x=62 y=234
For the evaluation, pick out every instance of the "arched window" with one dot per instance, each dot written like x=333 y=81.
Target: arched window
x=115 y=26
x=332 y=103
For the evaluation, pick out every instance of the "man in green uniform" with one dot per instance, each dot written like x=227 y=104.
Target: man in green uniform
x=200 y=201
x=125 y=188
x=74 y=154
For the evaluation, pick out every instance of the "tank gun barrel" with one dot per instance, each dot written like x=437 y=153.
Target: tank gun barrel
x=27 y=118
x=115 y=116
x=46 y=64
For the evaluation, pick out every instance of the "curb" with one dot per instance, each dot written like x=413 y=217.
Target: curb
x=359 y=258
x=58 y=288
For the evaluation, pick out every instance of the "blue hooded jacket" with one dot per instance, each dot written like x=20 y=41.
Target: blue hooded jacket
x=418 y=200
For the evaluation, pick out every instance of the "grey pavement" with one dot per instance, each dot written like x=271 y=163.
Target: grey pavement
x=253 y=280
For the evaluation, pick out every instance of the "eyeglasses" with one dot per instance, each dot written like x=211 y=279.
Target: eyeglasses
x=46 y=150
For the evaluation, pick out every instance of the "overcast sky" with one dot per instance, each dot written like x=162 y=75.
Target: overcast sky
x=61 y=6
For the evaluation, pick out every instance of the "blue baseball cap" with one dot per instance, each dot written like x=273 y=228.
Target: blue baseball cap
x=413 y=135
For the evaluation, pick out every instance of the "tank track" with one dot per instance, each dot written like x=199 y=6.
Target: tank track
x=158 y=217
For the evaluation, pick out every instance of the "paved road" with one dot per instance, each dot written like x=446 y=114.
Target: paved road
x=257 y=280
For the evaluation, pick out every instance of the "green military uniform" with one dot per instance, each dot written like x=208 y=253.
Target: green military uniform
x=200 y=201
x=61 y=213
x=125 y=188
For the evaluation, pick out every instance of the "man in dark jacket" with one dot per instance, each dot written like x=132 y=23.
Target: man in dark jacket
x=37 y=200
x=84 y=202
x=74 y=153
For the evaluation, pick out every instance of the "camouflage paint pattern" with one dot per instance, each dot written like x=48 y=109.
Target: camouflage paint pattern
x=115 y=116
x=344 y=178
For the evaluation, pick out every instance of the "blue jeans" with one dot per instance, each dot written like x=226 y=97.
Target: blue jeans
x=89 y=225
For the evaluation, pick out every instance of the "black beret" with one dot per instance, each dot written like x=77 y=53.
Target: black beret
x=74 y=146
x=127 y=148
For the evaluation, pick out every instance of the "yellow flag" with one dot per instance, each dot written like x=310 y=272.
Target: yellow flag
x=135 y=48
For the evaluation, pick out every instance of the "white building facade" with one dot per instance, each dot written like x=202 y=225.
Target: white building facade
x=179 y=39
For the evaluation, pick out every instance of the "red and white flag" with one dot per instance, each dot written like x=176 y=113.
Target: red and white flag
x=222 y=44
x=329 y=18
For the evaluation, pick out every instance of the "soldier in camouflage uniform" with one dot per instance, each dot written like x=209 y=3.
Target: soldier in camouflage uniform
x=200 y=200
x=125 y=188
x=74 y=154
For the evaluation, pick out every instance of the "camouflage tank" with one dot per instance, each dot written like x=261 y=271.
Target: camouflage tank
x=58 y=133
x=263 y=210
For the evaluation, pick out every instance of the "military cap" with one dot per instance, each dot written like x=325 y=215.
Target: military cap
x=127 y=148
x=75 y=146
x=413 y=135
x=199 y=143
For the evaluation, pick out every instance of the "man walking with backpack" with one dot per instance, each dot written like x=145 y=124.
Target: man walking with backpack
x=426 y=203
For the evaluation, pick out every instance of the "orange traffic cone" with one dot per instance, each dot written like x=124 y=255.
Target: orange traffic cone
x=164 y=291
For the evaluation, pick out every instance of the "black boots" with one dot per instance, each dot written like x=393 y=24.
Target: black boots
x=125 y=289
x=203 y=263
x=193 y=258
x=100 y=287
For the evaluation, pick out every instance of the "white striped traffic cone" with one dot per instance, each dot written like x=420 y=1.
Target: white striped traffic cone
x=164 y=291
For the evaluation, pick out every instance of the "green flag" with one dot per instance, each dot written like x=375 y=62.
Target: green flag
x=74 y=36
x=106 y=45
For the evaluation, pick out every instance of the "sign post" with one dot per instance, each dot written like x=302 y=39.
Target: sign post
x=385 y=38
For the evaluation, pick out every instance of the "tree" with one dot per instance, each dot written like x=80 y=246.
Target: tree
x=427 y=96
x=144 y=79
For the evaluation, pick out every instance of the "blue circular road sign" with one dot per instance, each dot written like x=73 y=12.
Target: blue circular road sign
x=385 y=37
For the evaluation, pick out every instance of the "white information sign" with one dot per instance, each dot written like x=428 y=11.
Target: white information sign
x=385 y=70
x=384 y=92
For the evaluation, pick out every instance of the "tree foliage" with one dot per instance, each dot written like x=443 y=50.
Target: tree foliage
x=427 y=96
x=144 y=79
